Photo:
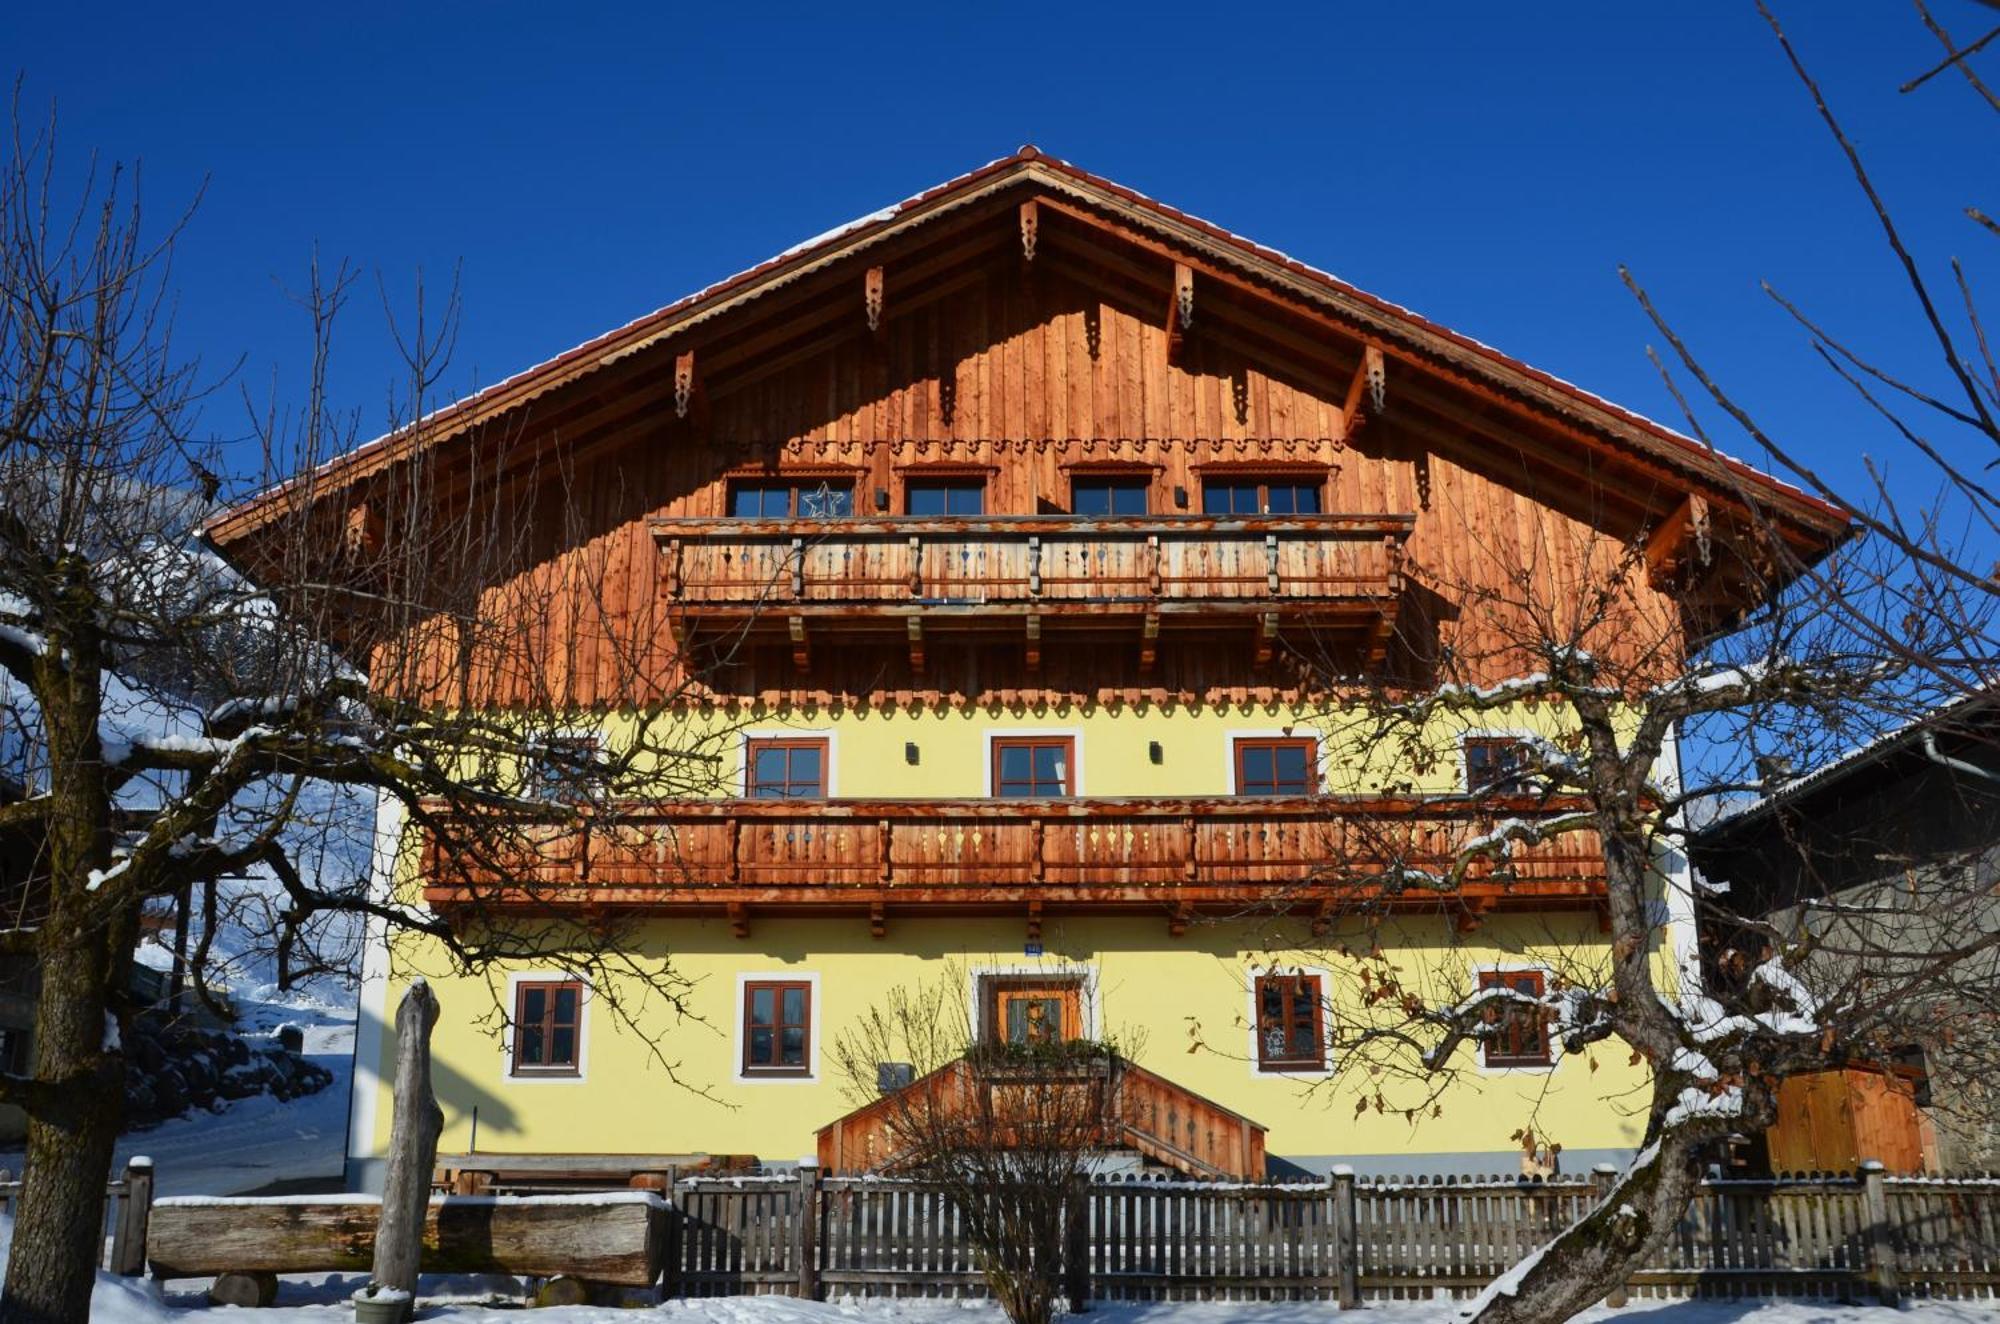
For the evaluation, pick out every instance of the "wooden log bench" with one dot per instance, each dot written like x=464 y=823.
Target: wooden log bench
x=611 y=1239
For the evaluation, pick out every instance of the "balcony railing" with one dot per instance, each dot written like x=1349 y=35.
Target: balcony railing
x=954 y=852
x=1028 y=563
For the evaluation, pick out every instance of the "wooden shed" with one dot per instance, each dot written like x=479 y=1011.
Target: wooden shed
x=1833 y=1121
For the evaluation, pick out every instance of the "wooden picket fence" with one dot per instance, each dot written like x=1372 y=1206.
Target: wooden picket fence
x=1341 y=1239
x=126 y=1212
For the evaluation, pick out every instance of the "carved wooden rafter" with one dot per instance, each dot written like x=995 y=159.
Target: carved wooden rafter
x=1180 y=311
x=1031 y=225
x=1367 y=391
x=801 y=646
x=1682 y=545
x=739 y=920
x=914 y=629
x=871 y=298
x=686 y=388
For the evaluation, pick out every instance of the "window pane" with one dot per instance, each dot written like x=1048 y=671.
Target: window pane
x=795 y=1006
x=1015 y=762
x=752 y=500
x=1305 y=500
x=826 y=501
x=531 y=1045
x=1228 y=499
x=1273 y=998
x=1049 y=765
x=762 y=1002
x=566 y=1005
x=805 y=776
x=966 y=499
x=562 y=1046
x=793 y=1042
x=1109 y=496
x=925 y=499
x=1258 y=771
x=1290 y=772
x=767 y=777
x=760 y=1047
x=534 y=1004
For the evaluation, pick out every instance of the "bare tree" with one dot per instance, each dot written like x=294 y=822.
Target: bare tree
x=404 y=654
x=1008 y=1130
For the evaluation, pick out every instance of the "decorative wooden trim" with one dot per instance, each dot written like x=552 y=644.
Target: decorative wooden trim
x=1031 y=224
x=1111 y=468
x=945 y=469
x=871 y=298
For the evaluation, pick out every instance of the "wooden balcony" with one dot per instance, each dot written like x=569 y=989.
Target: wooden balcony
x=910 y=578
x=728 y=856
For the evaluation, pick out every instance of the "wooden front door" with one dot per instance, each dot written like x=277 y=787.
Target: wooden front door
x=1026 y=1011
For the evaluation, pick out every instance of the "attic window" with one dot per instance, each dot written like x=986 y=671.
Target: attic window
x=1253 y=494
x=804 y=498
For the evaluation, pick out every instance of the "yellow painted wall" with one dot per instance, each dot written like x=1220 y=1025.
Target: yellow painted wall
x=1180 y=1005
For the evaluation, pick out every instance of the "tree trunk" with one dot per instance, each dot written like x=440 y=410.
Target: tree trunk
x=413 y=1138
x=1595 y=1256
x=59 y=1222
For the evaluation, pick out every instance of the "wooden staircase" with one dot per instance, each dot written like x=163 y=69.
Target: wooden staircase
x=1162 y=1122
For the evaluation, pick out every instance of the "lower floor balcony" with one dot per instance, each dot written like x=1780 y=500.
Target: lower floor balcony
x=872 y=857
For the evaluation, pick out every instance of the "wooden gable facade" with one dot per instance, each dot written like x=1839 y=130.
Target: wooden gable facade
x=1024 y=326
x=1031 y=331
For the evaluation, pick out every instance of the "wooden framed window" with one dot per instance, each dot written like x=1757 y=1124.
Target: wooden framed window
x=1251 y=494
x=1291 y=1032
x=783 y=498
x=1034 y=767
x=784 y=769
x=1495 y=763
x=944 y=496
x=548 y=1027
x=1277 y=766
x=1032 y=1011
x=777 y=1027
x=1523 y=1037
x=1109 y=494
x=563 y=769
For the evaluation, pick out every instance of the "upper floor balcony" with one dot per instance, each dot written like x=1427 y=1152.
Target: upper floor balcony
x=1015 y=576
x=1178 y=855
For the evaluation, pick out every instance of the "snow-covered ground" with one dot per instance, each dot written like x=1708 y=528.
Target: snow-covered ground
x=120 y=1302
x=259 y=1140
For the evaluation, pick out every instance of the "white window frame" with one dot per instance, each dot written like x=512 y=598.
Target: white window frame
x=826 y=733
x=1297 y=731
x=1257 y=1070
x=813 y=1015
x=1555 y=1044
x=515 y=978
x=1074 y=734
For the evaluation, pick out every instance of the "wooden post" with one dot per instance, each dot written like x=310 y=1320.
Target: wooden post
x=415 y=1125
x=806 y=1244
x=1346 y=1247
x=1881 y=1245
x=1076 y=1248
x=128 y=1237
x=1606 y=1177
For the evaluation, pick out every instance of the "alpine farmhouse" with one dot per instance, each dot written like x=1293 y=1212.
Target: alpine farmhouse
x=1019 y=550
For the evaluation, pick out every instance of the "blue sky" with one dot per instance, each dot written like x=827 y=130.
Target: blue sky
x=1488 y=165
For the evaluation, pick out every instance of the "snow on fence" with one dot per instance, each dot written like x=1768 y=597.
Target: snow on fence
x=125 y=1215
x=1342 y=1238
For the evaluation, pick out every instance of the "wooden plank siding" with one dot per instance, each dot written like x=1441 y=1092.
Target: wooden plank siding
x=1028 y=384
x=1104 y=851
